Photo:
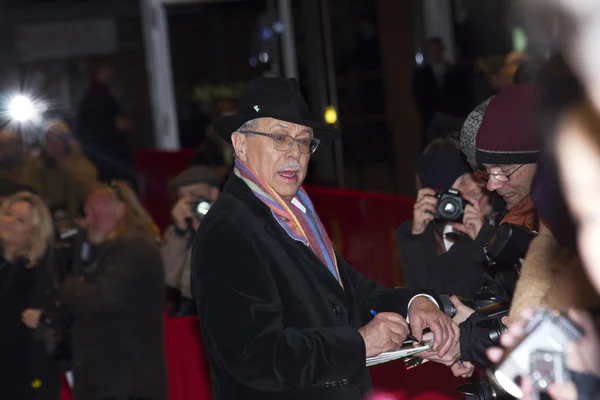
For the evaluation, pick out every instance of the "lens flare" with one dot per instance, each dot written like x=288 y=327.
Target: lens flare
x=21 y=108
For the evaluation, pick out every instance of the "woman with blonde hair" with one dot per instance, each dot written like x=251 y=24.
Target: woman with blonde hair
x=26 y=241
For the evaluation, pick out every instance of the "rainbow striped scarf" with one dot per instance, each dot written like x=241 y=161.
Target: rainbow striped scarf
x=301 y=225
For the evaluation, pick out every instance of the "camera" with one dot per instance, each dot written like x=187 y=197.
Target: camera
x=540 y=354
x=200 y=208
x=510 y=244
x=451 y=205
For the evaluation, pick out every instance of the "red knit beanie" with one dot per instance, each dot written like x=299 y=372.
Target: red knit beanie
x=507 y=134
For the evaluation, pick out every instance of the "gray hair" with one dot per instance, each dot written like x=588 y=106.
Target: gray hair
x=249 y=125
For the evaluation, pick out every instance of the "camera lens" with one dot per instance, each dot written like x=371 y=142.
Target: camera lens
x=202 y=208
x=449 y=209
x=496 y=329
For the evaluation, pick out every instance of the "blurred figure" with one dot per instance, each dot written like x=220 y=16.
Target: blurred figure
x=103 y=129
x=64 y=174
x=436 y=87
x=118 y=303
x=60 y=173
x=193 y=185
x=26 y=234
x=14 y=164
x=214 y=151
x=436 y=254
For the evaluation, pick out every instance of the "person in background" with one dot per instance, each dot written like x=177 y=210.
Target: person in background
x=435 y=86
x=26 y=274
x=438 y=255
x=102 y=129
x=64 y=174
x=214 y=151
x=15 y=165
x=118 y=303
x=59 y=172
x=193 y=185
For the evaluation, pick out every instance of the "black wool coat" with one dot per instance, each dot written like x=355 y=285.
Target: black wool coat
x=276 y=323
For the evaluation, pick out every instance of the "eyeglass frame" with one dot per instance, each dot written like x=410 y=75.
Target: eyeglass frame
x=487 y=174
x=295 y=140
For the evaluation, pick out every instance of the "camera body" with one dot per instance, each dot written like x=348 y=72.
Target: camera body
x=450 y=206
x=539 y=354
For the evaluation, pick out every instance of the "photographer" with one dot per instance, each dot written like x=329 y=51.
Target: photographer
x=193 y=185
x=438 y=254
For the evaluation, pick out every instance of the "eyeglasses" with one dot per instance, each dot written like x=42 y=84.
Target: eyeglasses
x=284 y=142
x=500 y=177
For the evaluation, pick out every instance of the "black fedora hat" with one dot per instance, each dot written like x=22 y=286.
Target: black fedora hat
x=278 y=98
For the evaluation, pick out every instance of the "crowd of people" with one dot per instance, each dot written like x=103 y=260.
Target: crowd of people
x=504 y=224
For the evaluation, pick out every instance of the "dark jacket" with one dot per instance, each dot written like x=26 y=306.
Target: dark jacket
x=24 y=361
x=459 y=271
x=104 y=144
x=118 y=322
x=275 y=322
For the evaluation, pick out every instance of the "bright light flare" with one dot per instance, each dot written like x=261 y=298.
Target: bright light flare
x=21 y=108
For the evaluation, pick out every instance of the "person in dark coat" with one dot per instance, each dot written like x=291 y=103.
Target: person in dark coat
x=283 y=316
x=118 y=304
x=102 y=129
x=27 y=371
x=439 y=255
x=437 y=87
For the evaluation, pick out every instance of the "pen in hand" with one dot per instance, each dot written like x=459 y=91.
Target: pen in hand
x=409 y=336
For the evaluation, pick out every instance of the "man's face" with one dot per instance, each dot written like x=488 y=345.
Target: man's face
x=578 y=157
x=198 y=191
x=57 y=146
x=102 y=214
x=519 y=185
x=284 y=170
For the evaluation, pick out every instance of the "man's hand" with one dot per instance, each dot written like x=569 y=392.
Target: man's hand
x=473 y=219
x=31 y=317
x=181 y=211
x=424 y=313
x=424 y=210
x=462 y=369
x=449 y=359
x=385 y=332
x=462 y=312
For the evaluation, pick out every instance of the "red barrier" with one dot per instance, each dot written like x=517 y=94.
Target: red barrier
x=157 y=169
x=189 y=373
x=363 y=227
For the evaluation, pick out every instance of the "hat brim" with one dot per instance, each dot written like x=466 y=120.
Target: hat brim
x=225 y=126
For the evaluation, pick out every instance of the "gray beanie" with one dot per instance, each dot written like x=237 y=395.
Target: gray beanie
x=468 y=133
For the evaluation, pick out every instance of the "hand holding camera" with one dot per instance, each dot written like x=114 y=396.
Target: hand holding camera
x=537 y=345
x=182 y=213
x=424 y=210
x=472 y=221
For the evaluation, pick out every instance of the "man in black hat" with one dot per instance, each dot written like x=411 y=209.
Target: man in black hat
x=194 y=186
x=282 y=314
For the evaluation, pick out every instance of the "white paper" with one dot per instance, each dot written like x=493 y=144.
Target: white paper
x=395 y=355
